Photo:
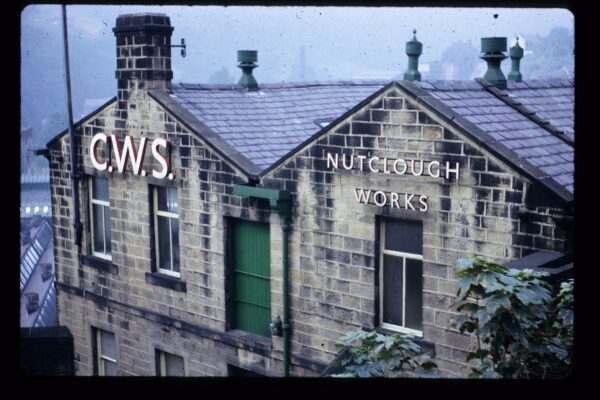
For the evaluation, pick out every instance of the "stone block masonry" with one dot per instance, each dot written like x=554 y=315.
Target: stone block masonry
x=483 y=212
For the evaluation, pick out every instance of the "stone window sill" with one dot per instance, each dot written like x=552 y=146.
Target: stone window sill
x=170 y=282
x=99 y=264
x=249 y=341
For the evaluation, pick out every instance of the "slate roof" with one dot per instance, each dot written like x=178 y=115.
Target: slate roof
x=31 y=257
x=267 y=124
x=38 y=253
x=550 y=99
x=35 y=179
x=508 y=128
x=529 y=124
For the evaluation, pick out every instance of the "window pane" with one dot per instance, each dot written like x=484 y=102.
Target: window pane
x=110 y=368
x=107 y=229
x=108 y=344
x=164 y=256
x=100 y=188
x=167 y=199
x=392 y=290
x=98 y=234
x=172 y=200
x=161 y=198
x=175 y=243
x=404 y=236
x=174 y=365
x=414 y=294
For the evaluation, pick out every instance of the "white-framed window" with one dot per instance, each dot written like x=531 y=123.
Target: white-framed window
x=100 y=217
x=166 y=229
x=106 y=352
x=169 y=364
x=401 y=276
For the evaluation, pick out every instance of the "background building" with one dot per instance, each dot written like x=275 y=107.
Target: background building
x=38 y=294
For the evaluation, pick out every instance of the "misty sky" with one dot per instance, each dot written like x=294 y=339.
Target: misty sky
x=339 y=43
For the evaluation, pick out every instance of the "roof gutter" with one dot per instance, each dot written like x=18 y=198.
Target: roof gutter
x=42 y=152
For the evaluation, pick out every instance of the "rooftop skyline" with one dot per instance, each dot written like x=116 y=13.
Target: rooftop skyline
x=293 y=44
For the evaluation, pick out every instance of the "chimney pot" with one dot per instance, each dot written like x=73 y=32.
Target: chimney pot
x=247 y=56
x=493 y=51
x=414 y=49
x=516 y=53
x=247 y=62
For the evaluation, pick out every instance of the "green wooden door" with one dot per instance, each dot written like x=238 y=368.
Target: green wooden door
x=252 y=277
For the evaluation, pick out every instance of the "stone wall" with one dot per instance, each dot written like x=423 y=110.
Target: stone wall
x=335 y=240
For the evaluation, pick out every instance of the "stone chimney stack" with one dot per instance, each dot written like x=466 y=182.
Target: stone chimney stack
x=143 y=56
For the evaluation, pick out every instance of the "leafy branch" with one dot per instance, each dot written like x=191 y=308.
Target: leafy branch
x=522 y=332
x=371 y=354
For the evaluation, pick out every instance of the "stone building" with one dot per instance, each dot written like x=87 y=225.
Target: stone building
x=242 y=229
x=36 y=274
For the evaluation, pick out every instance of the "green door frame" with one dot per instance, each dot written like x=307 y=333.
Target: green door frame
x=281 y=201
x=251 y=276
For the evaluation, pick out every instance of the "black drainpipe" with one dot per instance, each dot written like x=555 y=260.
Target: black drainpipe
x=72 y=140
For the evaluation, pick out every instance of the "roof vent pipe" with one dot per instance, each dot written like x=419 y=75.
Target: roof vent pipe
x=247 y=62
x=414 y=49
x=493 y=51
x=516 y=53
